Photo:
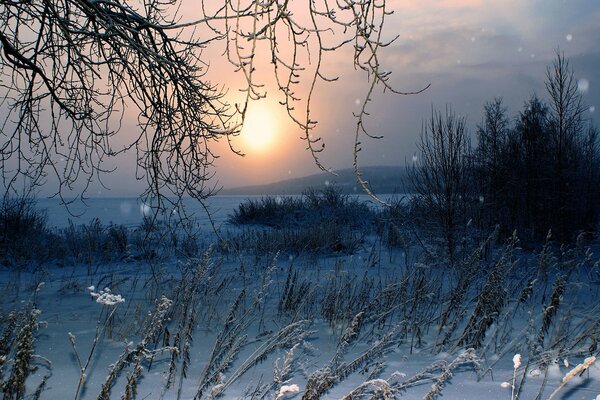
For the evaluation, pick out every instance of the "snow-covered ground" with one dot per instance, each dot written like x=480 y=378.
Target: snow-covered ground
x=267 y=326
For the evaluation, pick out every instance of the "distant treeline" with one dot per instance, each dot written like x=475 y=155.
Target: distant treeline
x=535 y=172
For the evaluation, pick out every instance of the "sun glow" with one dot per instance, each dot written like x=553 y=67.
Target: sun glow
x=260 y=128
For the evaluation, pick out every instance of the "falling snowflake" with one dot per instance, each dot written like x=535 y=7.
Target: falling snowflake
x=569 y=37
x=583 y=85
x=520 y=49
x=357 y=102
x=592 y=109
x=145 y=209
x=326 y=183
x=414 y=158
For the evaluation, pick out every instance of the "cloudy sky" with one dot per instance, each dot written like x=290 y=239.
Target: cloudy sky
x=470 y=51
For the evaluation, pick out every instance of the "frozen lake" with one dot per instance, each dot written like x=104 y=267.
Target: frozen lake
x=129 y=211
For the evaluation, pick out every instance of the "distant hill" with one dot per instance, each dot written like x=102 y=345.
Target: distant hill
x=382 y=180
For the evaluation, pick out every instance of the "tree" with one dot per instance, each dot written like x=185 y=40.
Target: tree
x=70 y=68
x=590 y=179
x=547 y=163
x=531 y=182
x=492 y=136
x=441 y=176
x=567 y=126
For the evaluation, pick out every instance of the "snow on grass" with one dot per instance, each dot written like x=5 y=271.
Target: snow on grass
x=373 y=322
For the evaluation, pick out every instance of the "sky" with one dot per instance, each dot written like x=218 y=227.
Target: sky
x=469 y=51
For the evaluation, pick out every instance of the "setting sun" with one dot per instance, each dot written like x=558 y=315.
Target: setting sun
x=260 y=128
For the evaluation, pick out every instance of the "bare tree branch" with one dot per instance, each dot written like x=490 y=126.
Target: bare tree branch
x=71 y=68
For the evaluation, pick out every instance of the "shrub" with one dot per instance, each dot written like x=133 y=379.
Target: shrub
x=95 y=242
x=24 y=234
x=269 y=211
x=313 y=207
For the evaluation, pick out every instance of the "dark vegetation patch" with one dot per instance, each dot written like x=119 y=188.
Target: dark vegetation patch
x=327 y=205
x=25 y=237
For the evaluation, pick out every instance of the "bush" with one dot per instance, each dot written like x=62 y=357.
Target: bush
x=269 y=211
x=95 y=242
x=313 y=207
x=24 y=234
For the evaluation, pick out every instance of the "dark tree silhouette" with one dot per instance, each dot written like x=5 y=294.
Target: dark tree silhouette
x=567 y=126
x=69 y=69
x=492 y=136
x=531 y=181
x=441 y=176
x=545 y=171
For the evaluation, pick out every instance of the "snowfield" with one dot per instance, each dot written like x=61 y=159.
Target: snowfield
x=233 y=322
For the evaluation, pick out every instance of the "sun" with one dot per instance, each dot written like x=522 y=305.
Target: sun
x=260 y=128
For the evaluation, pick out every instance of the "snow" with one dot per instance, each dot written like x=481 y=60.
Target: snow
x=71 y=319
x=516 y=361
x=287 y=391
x=105 y=297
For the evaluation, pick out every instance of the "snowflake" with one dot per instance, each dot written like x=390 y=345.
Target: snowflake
x=583 y=85
x=145 y=209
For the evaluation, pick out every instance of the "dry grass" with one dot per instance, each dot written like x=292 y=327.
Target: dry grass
x=498 y=300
